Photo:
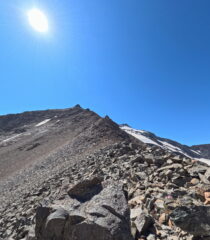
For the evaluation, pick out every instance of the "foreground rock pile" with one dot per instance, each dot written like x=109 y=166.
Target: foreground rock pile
x=91 y=210
x=167 y=194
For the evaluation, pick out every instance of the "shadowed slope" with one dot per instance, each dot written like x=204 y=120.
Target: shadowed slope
x=30 y=137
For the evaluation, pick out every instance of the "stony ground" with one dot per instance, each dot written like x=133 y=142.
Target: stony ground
x=168 y=194
x=32 y=137
x=156 y=182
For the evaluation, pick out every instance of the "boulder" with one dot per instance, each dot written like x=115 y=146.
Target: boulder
x=143 y=222
x=105 y=216
x=41 y=215
x=197 y=168
x=194 y=219
x=86 y=189
x=54 y=225
x=135 y=212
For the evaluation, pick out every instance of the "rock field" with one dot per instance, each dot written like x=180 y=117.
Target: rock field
x=117 y=189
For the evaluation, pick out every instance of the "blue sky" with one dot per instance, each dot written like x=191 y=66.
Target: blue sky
x=142 y=62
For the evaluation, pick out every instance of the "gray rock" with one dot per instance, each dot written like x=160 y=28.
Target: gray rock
x=41 y=215
x=177 y=159
x=55 y=224
x=137 y=159
x=180 y=181
x=31 y=234
x=149 y=158
x=86 y=189
x=172 y=166
x=197 y=169
x=151 y=237
x=105 y=216
x=141 y=175
x=135 y=212
x=194 y=220
x=86 y=231
x=203 y=178
x=207 y=174
x=143 y=222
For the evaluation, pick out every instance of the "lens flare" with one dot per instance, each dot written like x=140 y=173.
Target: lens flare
x=38 y=20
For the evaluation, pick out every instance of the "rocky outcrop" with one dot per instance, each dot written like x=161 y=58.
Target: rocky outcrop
x=194 y=220
x=85 y=190
x=101 y=215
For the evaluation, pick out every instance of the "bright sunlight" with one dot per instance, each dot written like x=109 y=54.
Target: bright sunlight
x=38 y=20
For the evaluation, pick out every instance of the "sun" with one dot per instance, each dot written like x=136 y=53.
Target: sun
x=38 y=20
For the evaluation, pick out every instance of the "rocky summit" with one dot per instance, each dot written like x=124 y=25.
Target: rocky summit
x=73 y=175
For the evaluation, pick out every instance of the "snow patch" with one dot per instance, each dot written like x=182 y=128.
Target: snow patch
x=138 y=134
x=11 y=138
x=143 y=138
x=173 y=148
x=43 y=122
x=170 y=146
x=204 y=160
x=197 y=152
x=126 y=128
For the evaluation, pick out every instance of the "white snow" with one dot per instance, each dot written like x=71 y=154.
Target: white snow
x=194 y=151
x=204 y=160
x=43 y=122
x=138 y=134
x=170 y=146
x=131 y=129
x=11 y=138
x=173 y=148
x=143 y=138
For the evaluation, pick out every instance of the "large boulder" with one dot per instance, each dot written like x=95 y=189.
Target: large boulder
x=103 y=216
x=54 y=224
x=193 y=219
x=85 y=190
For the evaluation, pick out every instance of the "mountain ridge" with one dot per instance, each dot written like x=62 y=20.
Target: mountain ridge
x=27 y=137
x=196 y=151
x=56 y=163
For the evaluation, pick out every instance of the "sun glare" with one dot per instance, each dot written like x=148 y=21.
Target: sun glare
x=38 y=20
